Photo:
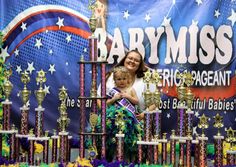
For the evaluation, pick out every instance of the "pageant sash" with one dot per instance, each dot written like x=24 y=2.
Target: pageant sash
x=123 y=102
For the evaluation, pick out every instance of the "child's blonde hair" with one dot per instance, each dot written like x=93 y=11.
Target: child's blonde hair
x=121 y=69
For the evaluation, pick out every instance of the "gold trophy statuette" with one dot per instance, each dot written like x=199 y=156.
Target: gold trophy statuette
x=25 y=93
x=203 y=124
x=156 y=95
x=7 y=85
x=92 y=19
x=119 y=122
x=181 y=89
x=93 y=121
x=230 y=137
x=147 y=94
x=189 y=95
x=40 y=93
x=63 y=120
x=93 y=92
x=218 y=123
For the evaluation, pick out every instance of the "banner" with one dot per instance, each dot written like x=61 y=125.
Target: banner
x=197 y=36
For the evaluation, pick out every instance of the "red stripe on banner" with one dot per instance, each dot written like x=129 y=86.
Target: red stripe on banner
x=217 y=92
x=73 y=30
x=44 y=11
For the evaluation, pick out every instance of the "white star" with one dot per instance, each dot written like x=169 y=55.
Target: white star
x=168 y=115
x=18 y=94
x=60 y=22
x=69 y=73
x=126 y=14
x=38 y=43
x=4 y=54
x=23 y=26
x=18 y=69
x=196 y=114
x=166 y=21
x=50 y=51
x=68 y=38
x=199 y=2
x=67 y=63
x=46 y=30
x=217 y=13
x=85 y=50
x=52 y=68
x=30 y=67
x=232 y=18
x=16 y=52
x=147 y=17
x=225 y=112
x=194 y=22
x=46 y=89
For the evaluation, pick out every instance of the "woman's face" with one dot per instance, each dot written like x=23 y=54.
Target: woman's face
x=132 y=62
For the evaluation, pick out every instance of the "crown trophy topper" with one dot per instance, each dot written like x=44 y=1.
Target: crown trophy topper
x=92 y=19
x=63 y=120
x=218 y=123
x=181 y=89
x=203 y=124
x=147 y=94
x=230 y=137
x=189 y=95
x=40 y=93
x=7 y=85
x=156 y=95
x=25 y=93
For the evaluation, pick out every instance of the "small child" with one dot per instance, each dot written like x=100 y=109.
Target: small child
x=122 y=89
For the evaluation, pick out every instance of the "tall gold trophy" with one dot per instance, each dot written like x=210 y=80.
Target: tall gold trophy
x=63 y=123
x=218 y=138
x=203 y=124
x=231 y=153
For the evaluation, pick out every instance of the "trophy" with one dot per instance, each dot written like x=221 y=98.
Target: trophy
x=92 y=19
x=54 y=146
x=230 y=153
x=25 y=93
x=119 y=122
x=218 y=123
x=203 y=124
x=181 y=89
x=63 y=123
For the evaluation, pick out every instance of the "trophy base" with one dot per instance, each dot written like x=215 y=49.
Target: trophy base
x=22 y=136
x=120 y=135
x=147 y=143
x=202 y=138
x=8 y=131
x=38 y=138
x=216 y=137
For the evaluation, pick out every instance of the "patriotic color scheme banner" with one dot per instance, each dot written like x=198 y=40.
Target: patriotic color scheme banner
x=172 y=35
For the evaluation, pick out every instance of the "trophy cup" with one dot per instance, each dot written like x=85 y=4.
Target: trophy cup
x=230 y=153
x=40 y=95
x=63 y=123
x=6 y=104
x=93 y=122
x=203 y=124
x=218 y=123
x=119 y=122
x=25 y=93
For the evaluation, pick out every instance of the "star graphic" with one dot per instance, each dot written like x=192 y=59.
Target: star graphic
x=46 y=31
x=195 y=131
x=46 y=89
x=30 y=67
x=199 y=2
x=60 y=22
x=232 y=18
x=4 y=54
x=23 y=26
x=38 y=43
x=126 y=14
x=217 y=13
x=50 y=51
x=85 y=50
x=68 y=38
x=18 y=69
x=69 y=73
x=67 y=63
x=194 y=22
x=168 y=115
x=16 y=52
x=196 y=114
x=166 y=21
x=52 y=68
x=147 y=18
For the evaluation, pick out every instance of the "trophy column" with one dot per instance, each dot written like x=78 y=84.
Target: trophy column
x=63 y=123
x=231 y=153
x=54 y=146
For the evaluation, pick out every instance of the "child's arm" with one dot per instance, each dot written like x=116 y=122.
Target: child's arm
x=131 y=96
x=113 y=99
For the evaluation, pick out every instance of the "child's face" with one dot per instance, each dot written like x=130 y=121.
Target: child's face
x=121 y=79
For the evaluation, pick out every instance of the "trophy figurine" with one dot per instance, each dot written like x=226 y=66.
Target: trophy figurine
x=40 y=95
x=63 y=123
x=119 y=122
x=25 y=93
x=92 y=19
x=203 y=124
x=218 y=123
x=230 y=153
